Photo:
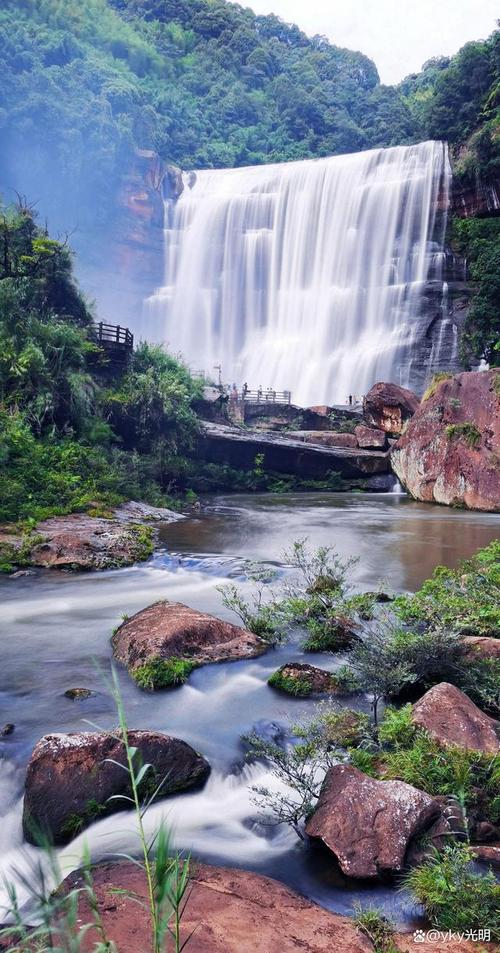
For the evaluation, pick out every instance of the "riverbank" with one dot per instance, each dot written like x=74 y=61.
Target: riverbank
x=64 y=621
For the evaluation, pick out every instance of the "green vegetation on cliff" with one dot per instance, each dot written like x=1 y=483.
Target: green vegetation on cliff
x=66 y=437
x=457 y=99
x=203 y=82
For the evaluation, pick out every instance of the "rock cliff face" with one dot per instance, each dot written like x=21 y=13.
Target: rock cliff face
x=121 y=263
x=450 y=451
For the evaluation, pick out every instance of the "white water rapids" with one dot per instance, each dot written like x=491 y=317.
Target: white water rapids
x=304 y=276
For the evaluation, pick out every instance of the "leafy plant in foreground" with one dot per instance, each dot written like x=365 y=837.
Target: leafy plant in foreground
x=453 y=896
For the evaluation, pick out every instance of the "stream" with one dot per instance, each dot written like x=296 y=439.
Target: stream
x=55 y=635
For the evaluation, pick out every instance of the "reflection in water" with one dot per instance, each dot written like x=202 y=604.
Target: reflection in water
x=57 y=628
x=397 y=541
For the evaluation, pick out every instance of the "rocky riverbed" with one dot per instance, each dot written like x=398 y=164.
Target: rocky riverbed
x=65 y=621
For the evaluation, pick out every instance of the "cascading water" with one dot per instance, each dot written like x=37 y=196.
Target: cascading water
x=306 y=276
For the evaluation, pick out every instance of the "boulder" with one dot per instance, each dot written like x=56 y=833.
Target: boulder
x=388 y=406
x=488 y=854
x=70 y=778
x=481 y=646
x=369 y=824
x=300 y=679
x=78 y=694
x=229 y=911
x=370 y=439
x=451 y=718
x=170 y=630
x=450 y=450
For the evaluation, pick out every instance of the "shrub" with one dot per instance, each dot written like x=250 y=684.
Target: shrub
x=434 y=384
x=465 y=599
x=300 y=686
x=397 y=728
x=453 y=896
x=377 y=928
x=469 y=776
x=162 y=673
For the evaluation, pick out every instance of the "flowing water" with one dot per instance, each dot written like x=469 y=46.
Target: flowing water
x=56 y=629
x=305 y=276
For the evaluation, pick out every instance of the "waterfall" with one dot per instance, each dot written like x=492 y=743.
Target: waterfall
x=305 y=276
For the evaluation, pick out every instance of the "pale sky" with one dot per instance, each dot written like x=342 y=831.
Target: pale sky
x=399 y=35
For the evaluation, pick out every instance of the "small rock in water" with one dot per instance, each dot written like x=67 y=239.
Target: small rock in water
x=7 y=730
x=77 y=694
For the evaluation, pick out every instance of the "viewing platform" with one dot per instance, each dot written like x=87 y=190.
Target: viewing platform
x=117 y=342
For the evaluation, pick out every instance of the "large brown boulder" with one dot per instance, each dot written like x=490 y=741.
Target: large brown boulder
x=388 y=406
x=369 y=824
x=481 y=647
x=170 y=630
x=451 y=718
x=70 y=778
x=450 y=450
x=229 y=911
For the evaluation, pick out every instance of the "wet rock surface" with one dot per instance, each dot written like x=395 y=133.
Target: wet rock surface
x=169 y=630
x=450 y=450
x=83 y=541
x=368 y=824
x=300 y=679
x=70 y=778
x=230 y=911
x=451 y=718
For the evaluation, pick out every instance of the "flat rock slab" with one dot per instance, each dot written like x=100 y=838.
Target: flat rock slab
x=81 y=541
x=285 y=454
x=172 y=630
x=368 y=824
x=326 y=438
x=230 y=911
x=451 y=718
x=70 y=778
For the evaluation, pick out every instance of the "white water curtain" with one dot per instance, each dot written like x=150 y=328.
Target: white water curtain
x=305 y=276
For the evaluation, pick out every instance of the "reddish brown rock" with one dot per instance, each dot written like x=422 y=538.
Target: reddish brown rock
x=451 y=718
x=84 y=541
x=481 y=646
x=369 y=824
x=370 y=439
x=300 y=679
x=388 y=406
x=326 y=438
x=70 y=778
x=172 y=630
x=450 y=450
x=488 y=854
x=229 y=911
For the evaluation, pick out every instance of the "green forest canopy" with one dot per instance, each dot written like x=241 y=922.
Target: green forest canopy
x=206 y=83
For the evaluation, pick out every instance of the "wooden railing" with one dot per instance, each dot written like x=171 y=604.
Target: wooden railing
x=266 y=396
x=114 y=336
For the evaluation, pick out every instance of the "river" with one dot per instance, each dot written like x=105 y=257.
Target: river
x=55 y=635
